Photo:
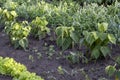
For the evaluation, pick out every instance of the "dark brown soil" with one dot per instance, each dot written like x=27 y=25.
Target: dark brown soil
x=37 y=60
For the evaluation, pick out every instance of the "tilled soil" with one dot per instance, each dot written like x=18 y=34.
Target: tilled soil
x=37 y=59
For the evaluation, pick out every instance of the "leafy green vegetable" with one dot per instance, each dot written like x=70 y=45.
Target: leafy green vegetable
x=8 y=66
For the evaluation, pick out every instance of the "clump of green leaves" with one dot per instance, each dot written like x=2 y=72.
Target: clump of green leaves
x=10 y=5
x=88 y=16
x=97 y=41
x=39 y=28
x=8 y=66
x=75 y=57
x=112 y=71
x=65 y=36
x=18 y=33
x=7 y=16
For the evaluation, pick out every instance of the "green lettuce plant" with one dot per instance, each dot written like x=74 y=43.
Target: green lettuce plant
x=8 y=66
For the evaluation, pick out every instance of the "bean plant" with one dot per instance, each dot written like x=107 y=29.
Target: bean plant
x=65 y=36
x=98 y=41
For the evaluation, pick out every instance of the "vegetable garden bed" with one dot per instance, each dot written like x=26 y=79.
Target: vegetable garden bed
x=59 y=40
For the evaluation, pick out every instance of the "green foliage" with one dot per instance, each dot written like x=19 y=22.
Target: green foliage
x=10 y=5
x=6 y=15
x=39 y=28
x=88 y=16
x=117 y=60
x=8 y=66
x=75 y=57
x=113 y=71
x=100 y=2
x=110 y=70
x=60 y=70
x=18 y=33
x=65 y=36
x=114 y=20
x=55 y=17
x=98 y=41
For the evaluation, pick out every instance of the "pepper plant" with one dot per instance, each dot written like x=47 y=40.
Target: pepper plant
x=65 y=36
x=97 y=41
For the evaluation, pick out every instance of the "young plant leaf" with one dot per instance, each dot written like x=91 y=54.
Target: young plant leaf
x=110 y=70
x=105 y=50
x=102 y=27
x=111 y=38
x=95 y=53
x=102 y=36
x=23 y=43
x=74 y=37
x=66 y=43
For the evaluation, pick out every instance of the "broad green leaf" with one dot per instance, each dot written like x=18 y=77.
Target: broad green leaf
x=102 y=27
x=110 y=70
x=23 y=43
x=111 y=38
x=58 y=31
x=95 y=53
x=102 y=36
x=74 y=37
x=94 y=33
x=66 y=43
x=105 y=50
x=90 y=39
x=60 y=41
x=13 y=13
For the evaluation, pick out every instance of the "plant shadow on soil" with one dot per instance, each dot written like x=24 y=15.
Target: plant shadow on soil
x=47 y=67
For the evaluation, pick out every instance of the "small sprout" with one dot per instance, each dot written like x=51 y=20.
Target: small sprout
x=31 y=58
x=39 y=55
x=60 y=70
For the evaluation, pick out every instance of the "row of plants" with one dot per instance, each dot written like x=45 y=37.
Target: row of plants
x=83 y=22
x=92 y=25
x=8 y=66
